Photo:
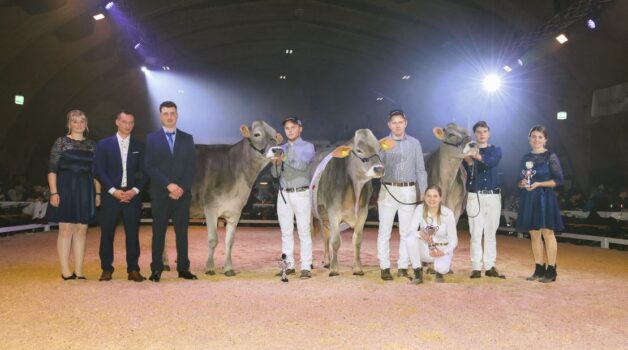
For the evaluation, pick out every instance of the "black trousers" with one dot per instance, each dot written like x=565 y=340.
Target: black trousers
x=179 y=211
x=110 y=212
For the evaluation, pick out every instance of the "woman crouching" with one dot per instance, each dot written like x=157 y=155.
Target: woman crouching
x=433 y=236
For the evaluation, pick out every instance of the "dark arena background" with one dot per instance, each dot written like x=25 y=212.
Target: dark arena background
x=338 y=66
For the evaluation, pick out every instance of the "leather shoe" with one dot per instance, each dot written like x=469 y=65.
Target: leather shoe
x=155 y=276
x=187 y=275
x=106 y=276
x=385 y=274
x=71 y=277
x=136 y=276
x=476 y=274
x=493 y=273
x=288 y=272
x=402 y=273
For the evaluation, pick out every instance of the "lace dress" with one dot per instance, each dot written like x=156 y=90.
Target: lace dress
x=72 y=161
x=539 y=208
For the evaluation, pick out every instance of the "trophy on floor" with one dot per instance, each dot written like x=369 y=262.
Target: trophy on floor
x=528 y=172
x=283 y=265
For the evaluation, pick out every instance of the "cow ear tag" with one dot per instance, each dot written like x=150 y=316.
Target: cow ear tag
x=341 y=152
x=245 y=131
x=439 y=133
x=387 y=144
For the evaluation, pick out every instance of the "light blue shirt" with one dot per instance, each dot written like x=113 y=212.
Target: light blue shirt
x=405 y=163
x=296 y=170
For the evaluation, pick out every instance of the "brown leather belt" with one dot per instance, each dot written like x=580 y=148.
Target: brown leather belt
x=297 y=189
x=399 y=184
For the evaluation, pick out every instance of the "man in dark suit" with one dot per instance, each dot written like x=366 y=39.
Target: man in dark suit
x=170 y=161
x=119 y=166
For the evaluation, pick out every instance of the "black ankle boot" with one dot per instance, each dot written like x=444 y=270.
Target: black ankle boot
x=418 y=276
x=539 y=272
x=550 y=274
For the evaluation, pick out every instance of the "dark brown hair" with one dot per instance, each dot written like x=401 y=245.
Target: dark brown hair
x=540 y=128
x=481 y=124
x=167 y=104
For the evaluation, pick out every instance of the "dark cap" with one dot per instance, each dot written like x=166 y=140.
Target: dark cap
x=291 y=119
x=396 y=112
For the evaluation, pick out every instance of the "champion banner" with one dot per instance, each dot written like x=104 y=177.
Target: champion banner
x=610 y=101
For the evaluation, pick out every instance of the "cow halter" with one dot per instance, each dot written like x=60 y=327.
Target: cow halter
x=459 y=143
x=261 y=151
x=366 y=159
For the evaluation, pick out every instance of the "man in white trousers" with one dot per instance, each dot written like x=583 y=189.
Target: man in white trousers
x=294 y=169
x=483 y=202
x=405 y=176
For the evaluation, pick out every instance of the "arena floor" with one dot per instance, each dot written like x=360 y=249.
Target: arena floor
x=586 y=308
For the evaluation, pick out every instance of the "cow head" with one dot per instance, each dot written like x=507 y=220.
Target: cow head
x=261 y=136
x=363 y=152
x=456 y=136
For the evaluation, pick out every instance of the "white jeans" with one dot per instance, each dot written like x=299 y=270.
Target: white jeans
x=297 y=204
x=420 y=252
x=483 y=220
x=387 y=207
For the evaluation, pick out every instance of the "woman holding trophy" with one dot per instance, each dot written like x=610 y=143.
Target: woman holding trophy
x=538 y=206
x=433 y=236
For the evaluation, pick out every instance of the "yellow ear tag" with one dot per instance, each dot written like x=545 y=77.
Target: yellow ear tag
x=345 y=153
x=385 y=146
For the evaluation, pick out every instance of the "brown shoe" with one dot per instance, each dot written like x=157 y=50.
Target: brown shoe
x=136 y=276
x=106 y=276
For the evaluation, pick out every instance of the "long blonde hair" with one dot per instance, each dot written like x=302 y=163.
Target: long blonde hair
x=77 y=113
x=438 y=211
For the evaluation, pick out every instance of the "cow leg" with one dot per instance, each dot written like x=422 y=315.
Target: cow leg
x=326 y=258
x=357 y=244
x=335 y=245
x=211 y=221
x=231 y=227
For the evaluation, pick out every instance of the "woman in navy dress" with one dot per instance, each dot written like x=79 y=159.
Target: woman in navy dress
x=538 y=206
x=74 y=194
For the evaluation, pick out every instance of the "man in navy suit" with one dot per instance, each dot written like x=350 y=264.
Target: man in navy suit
x=119 y=166
x=170 y=161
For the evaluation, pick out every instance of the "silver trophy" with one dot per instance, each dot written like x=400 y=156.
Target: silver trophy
x=283 y=265
x=428 y=233
x=528 y=172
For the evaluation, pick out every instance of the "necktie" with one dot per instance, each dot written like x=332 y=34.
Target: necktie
x=170 y=140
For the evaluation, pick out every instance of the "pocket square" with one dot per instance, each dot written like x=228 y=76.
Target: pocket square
x=136 y=152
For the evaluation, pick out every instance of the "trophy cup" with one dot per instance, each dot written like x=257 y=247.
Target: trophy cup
x=283 y=265
x=428 y=233
x=528 y=172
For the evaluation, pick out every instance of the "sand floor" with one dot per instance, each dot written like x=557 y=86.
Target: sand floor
x=586 y=308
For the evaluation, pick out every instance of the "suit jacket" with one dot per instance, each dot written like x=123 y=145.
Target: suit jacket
x=165 y=167
x=108 y=164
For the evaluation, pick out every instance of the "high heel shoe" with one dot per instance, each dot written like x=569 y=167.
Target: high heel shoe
x=81 y=277
x=72 y=277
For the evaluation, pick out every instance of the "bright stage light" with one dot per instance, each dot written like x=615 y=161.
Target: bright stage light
x=109 y=5
x=492 y=82
x=591 y=23
x=145 y=70
x=99 y=16
x=507 y=68
x=380 y=98
x=562 y=115
x=137 y=45
x=19 y=99
x=561 y=38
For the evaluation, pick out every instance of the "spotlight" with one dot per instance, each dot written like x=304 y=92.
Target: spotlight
x=380 y=98
x=165 y=67
x=561 y=38
x=507 y=68
x=562 y=115
x=144 y=69
x=492 y=82
x=282 y=77
x=405 y=77
x=109 y=5
x=137 y=45
x=19 y=99
x=591 y=23
x=289 y=51
x=99 y=16
x=522 y=61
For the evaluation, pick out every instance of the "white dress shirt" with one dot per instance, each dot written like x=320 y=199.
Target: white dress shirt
x=123 y=144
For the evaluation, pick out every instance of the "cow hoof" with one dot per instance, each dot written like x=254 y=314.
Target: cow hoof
x=230 y=273
x=358 y=273
x=166 y=267
x=326 y=266
x=333 y=273
x=210 y=272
